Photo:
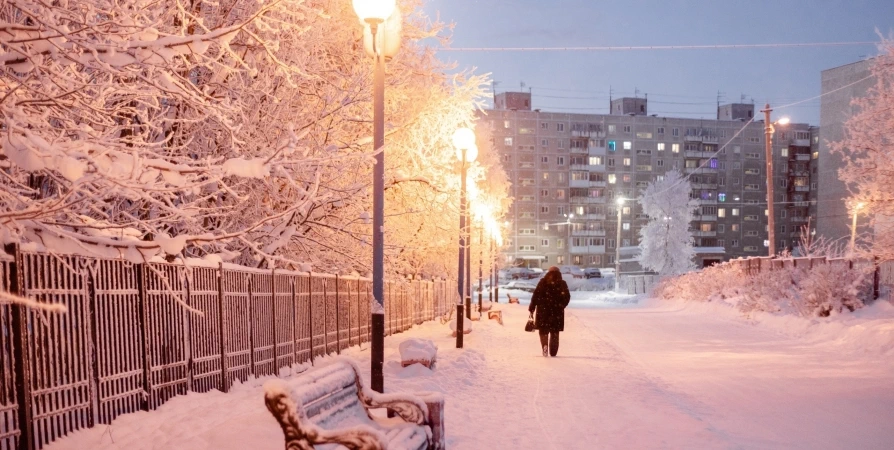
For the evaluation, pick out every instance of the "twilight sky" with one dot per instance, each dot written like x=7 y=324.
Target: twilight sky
x=679 y=83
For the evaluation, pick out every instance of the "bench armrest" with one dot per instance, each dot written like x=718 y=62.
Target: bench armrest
x=301 y=434
x=410 y=408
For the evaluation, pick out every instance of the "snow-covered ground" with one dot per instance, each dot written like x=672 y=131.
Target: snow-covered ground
x=631 y=373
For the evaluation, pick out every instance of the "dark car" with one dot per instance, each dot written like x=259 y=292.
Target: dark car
x=592 y=272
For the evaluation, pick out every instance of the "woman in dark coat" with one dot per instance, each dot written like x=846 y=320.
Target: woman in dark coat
x=549 y=301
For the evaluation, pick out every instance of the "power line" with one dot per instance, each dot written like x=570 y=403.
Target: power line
x=654 y=47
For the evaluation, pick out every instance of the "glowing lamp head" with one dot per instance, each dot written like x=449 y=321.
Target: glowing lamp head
x=373 y=10
x=620 y=200
x=463 y=138
x=783 y=121
x=860 y=205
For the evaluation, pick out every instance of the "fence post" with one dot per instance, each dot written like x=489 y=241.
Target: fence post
x=21 y=353
x=187 y=330
x=310 y=315
x=251 y=319
x=337 y=316
x=144 y=338
x=275 y=338
x=222 y=323
x=93 y=357
x=875 y=277
x=292 y=280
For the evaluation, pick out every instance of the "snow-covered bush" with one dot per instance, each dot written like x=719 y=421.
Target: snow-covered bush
x=820 y=291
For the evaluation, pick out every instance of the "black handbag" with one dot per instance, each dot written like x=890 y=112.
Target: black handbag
x=530 y=325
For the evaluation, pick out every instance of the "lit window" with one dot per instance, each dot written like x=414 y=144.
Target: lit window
x=626 y=161
x=507 y=124
x=611 y=146
x=507 y=141
x=721 y=212
x=612 y=178
x=661 y=146
x=625 y=226
x=675 y=147
x=721 y=197
x=735 y=211
x=628 y=145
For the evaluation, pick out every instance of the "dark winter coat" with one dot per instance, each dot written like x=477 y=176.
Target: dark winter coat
x=549 y=301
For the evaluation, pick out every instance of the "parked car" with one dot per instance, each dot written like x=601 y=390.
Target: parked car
x=607 y=272
x=574 y=271
x=522 y=273
x=521 y=285
x=592 y=272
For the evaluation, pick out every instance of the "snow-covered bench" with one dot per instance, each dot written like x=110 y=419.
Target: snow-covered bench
x=329 y=408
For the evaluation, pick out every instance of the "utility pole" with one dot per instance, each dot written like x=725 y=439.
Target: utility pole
x=771 y=218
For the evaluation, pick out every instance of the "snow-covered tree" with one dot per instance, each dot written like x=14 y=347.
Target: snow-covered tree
x=868 y=152
x=666 y=241
x=233 y=128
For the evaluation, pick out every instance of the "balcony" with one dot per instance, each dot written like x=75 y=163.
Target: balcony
x=587 y=249
x=801 y=142
x=801 y=188
x=596 y=151
x=704 y=186
x=597 y=183
x=799 y=219
x=579 y=150
x=705 y=218
x=710 y=139
x=588 y=133
x=700 y=233
x=798 y=173
x=698 y=170
x=580 y=167
x=579 y=183
x=588 y=233
x=697 y=154
x=693 y=138
x=802 y=156
x=709 y=201
x=587 y=200
x=592 y=216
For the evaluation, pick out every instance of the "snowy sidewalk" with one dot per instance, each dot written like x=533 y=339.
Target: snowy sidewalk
x=625 y=377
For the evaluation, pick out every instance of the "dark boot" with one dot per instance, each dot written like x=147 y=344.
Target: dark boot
x=553 y=343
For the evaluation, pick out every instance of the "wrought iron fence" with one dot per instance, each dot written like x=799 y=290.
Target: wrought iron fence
x=137 y=335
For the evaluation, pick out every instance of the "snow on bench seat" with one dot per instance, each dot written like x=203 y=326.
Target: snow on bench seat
x=330 y=409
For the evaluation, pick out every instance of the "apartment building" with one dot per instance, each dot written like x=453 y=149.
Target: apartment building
x=567 y=170
x=840 y=85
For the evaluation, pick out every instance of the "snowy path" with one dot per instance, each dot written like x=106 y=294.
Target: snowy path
x=626 y=377
x=757 y=388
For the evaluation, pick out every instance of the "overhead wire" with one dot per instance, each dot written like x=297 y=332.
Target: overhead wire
x=654 y=47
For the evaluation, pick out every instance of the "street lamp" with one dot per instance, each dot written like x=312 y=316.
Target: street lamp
x=620 y=201
x=379 y=45
x=466 y=151
x=771 y=218
x=857 y=208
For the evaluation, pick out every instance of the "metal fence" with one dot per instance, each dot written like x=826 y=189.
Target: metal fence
x=129 y=341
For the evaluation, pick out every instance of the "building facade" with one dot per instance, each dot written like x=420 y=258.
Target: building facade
x=567 y=170
x=840 y=85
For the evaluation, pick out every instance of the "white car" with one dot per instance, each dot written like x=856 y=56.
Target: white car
x=526 y=286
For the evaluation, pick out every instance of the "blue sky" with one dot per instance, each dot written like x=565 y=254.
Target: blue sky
x=679 y=83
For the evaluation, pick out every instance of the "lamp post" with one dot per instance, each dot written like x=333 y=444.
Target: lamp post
x=379 y=44
x=769 y=129
x=466 y=151
x=620 y=201
x=857 y=208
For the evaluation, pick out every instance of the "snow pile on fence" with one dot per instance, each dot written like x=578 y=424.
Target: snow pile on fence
x=816 y=292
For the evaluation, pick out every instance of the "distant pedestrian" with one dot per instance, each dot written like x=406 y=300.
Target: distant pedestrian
x=549 y=301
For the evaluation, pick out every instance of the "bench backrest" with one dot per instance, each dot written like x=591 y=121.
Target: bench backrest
x=329 y=396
